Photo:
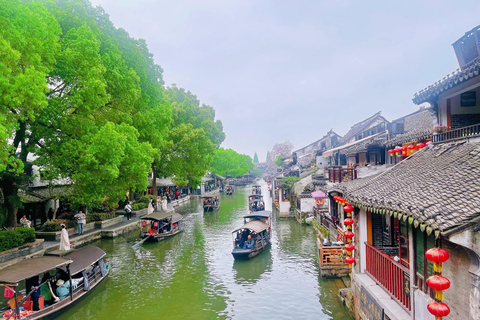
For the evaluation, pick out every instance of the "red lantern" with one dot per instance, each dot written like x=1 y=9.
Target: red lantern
x=347 y=204
x=391 y=151
x=349 y=247
x=437 y=255
x=438 y=309
x=349 y=234
x=404 y=150
x=348 y=209
x=348 y=222
x=155 y=224
x=396 y=150
x=144 y=223
x=438 y=283
x=420 y=145
x=350 y=260
x=335 y=198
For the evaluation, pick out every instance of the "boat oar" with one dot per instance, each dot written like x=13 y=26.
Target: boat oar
x=140 y=242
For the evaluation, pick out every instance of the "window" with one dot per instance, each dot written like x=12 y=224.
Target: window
x=403 y=243
x=285 y=194
x=468 y=99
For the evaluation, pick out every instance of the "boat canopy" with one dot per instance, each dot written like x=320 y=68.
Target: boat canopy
x=157 y=216
x=258 y=196
x=256 y=226
x=84 y=257
x=256 y=186
x=31 y=267
x=258 y=214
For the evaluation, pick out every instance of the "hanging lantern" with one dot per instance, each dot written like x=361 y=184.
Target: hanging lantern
x=421 y=145
x=144 y=223
x=404 y=150
x=335 y=198
x=391 y=152
x=347 y=204
x=348 y=210
x=438 y=309
x=411 y=148
x=349 y=234
x=350 y=260
x=348 y=222
x=396 y=150
x=437 y=256
x=349 y=247
x=155 y=224
x=438 y=283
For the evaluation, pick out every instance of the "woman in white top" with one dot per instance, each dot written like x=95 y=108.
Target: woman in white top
x=64 y=239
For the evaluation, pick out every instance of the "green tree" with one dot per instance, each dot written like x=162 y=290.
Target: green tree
x=229 y=162
x=255 y=158
x=279 y=162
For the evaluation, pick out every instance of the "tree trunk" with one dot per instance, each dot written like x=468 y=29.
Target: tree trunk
x=10 y=191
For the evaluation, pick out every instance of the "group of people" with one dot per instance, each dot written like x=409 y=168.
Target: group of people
x=240 y=241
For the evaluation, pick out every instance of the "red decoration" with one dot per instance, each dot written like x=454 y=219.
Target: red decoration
x=437 y=255
x=155 y=224
x=421 y=145
x=350 y=260
x=348 y=209
x=336 y=198
x=348 y=222
x=404 y=150
x=438 y=283
x=349 y=234
x=411 y=147
x=438 y=309
x=144 y=223
x=347 y=204
x=349 y=247
x=391 y=151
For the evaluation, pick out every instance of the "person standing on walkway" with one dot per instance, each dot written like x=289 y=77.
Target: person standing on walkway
x=150 y=207
x=128 y=210
x=81 y=220
x=64 y=239
x=164 y=203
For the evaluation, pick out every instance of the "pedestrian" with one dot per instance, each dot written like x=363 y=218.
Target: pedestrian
x=25 y=222
x=177 y=194
x=159 y=201
x=81 y=220
x=150 y=207
x=128 y=211
x=64 y=239
x=164 y=203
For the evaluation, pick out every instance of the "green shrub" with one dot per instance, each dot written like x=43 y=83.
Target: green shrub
x=139 y=206
x=145 y=199
x=15 y=238
x=100 y=216
x=52 y=226
x=70 y=224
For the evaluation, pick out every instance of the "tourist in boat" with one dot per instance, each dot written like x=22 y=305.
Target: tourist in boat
x=64 y=239
x=25 y=222
x=238 y=239
x=249 y=243
x=63 y=289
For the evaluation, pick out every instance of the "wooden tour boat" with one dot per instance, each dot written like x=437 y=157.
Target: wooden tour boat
x=210 y=203
x=257 y=225
x=256 y=189
x=158 y=226
x=230 y=190
x=75 y=275
x=256 y=203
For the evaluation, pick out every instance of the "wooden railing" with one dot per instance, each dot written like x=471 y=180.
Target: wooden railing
x=390 y=275
x=340 y=235
x=331 y=256
x=339 y=174
x=460 y=133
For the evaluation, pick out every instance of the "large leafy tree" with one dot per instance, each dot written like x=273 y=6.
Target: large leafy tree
x=29 y=42
x=191 y=141
x=229 y=162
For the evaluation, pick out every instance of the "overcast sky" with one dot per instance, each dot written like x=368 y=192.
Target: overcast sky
x=277 y=70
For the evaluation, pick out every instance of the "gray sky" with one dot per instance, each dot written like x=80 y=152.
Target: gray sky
x=278 y=70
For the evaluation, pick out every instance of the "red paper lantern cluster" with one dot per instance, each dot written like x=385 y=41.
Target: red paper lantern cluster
x=438 y=283
x=348 y=222
x=407 y=150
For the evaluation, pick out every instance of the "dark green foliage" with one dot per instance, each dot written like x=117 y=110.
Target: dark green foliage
x=139 y=206
x=51 y=226
x=15 y=238
x=100 y=216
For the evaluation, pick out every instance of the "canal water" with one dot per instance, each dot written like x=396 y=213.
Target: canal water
x=194 y=276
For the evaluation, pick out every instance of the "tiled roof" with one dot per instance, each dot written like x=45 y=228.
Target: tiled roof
x=363 y=146
x=360 y=127
x=417 y=127
x=436 y=188
x=454 y=79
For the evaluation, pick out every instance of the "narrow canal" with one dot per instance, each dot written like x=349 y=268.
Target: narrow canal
x=194 y=276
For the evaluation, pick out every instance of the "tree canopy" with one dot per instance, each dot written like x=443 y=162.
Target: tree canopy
x=227 y=162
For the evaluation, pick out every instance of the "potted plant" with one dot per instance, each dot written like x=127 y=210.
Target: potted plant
x=440 y=128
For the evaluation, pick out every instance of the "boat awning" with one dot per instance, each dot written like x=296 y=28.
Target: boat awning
x=84 y=257
x=256 y=226
x=329 y=153
x=258 y=214
x=319 y=195
x=162 y=215
x=255 y=196
x=31 y=267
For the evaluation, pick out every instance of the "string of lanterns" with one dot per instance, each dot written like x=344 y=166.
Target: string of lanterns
x=348 y=222
x=406 y=150
x=438 y=283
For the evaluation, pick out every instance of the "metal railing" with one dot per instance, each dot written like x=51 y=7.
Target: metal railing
x=390 y=275
x=460 y=133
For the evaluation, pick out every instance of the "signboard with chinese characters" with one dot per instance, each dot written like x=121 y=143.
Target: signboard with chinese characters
x=370 y=306
x=406 y=284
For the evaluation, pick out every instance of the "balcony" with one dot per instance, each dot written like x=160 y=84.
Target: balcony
x=456 y=134
x=341 y=174
x=390 y=275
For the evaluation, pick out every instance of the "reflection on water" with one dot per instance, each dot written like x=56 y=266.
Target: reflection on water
x=194 y=276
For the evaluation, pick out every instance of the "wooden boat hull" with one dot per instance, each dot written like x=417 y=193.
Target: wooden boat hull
x=209 y=209
x=247 y=254
x=159 y=237
x=63 y=305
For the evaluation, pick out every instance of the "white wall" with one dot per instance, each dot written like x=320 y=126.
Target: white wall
x=362 y=237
